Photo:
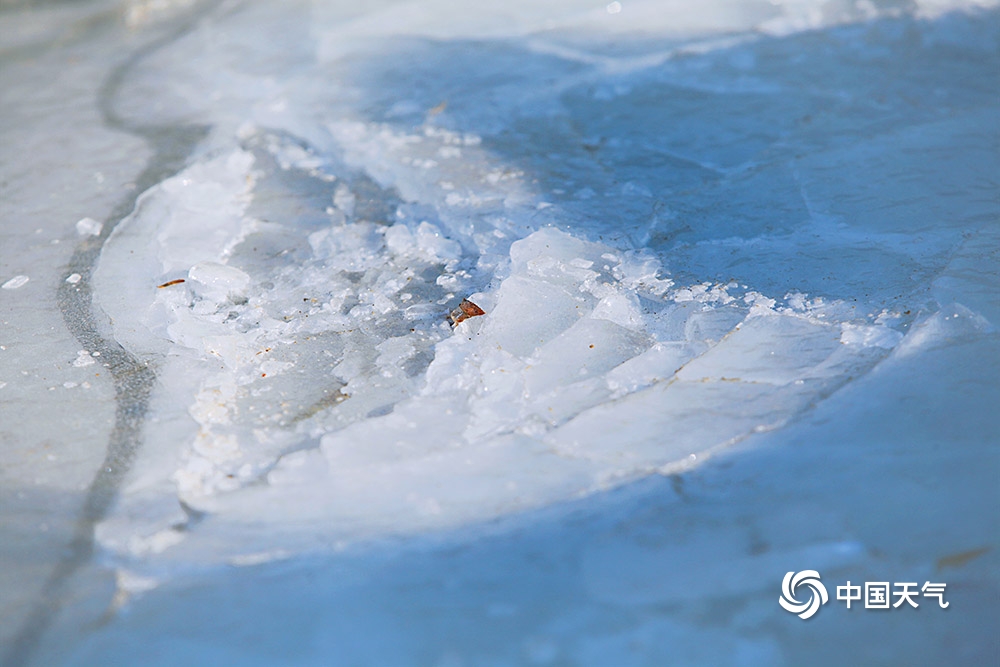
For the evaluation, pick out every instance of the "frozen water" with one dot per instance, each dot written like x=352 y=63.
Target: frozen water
x=16 y=282
x=88 y=227
x=760 y=235
x=327 y=395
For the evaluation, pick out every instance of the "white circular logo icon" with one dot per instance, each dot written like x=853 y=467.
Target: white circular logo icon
x=817 y=593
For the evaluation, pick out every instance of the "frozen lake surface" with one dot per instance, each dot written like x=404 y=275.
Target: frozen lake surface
x=739 y=268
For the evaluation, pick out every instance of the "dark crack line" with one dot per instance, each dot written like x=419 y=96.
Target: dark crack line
x=133 y=378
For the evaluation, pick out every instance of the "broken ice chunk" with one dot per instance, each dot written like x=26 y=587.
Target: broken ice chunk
x=218 y=282
x=15 y=282
x=531 y=312
x=869 y=336
x=89 y=227
x=83 y=358
x=589 y=347
x=426 y=242
x=773 y=349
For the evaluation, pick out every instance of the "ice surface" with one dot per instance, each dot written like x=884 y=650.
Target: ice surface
x=423 y=413
x=738 y=268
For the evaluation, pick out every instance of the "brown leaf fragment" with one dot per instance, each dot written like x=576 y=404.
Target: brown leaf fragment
x=961 y=558
x=438 y=109
x=170 y=282
x=465 y=310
